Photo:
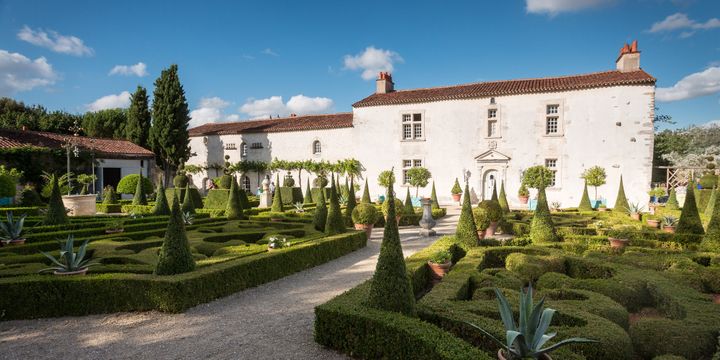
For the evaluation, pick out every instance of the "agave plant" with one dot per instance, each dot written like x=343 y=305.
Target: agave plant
x=634 y=208
x=11 y=230
x=669 y=220
x=68 y=261
x=277 y=242
x=188 y=218
x=555 y=205
x=299 y=207
x=525 y=339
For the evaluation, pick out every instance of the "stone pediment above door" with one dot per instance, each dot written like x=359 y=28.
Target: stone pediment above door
x=492 y=156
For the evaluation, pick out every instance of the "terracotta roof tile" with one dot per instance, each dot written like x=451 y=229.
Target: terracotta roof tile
x=510 y=87
x=295 y=123
x=110 y=148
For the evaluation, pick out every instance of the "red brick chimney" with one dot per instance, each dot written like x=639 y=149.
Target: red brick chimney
x=629 y=58
x=384 y=83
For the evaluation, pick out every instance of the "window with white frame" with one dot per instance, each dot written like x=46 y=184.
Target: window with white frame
x=492 y=123
x=552 y=119
x=551 y=164
x=317 y=147
x=407 y=165
x=412 y=126
x=246 y=183
x=230 y=146
x=243 y=150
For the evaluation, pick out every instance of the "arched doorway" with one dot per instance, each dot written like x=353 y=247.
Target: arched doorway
x=490 y=179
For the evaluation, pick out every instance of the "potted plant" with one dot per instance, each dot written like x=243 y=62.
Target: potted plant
x=634 y=209
x=494 y=214
x=669 y=223
x=11 y=231
x=602 y=207
x=456 y=191
x=69 y=262
x=364 y=216
x=555 y=206
x=482 y=221
x=595 y=177
x=277 y=242
x=523 y=194
x=299 y=207
x=619 y=237
x=399 y=206
x=653 y=222
x=439 y=263
x=115 y=226
x=524 y=340
x=276 y=216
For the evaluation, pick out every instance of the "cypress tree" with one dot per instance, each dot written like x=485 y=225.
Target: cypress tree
x=321 y=212
x=672 y=203
x=390 y=287
x=366 y=194
x=335 y=224
x=188 y=206
x=175 y=256
x=277 y=204
x=161 y=203
x=139 y=198
x=585 y=200
x=234 y=208
x=308 y=194
x=690 y=222
x=711 y=241
x=56 y=214
x=138 y=118
x=466 y=231
x=542 y=228
x=350 y=204
x=433 y=197
x=494 y=193
x=408 y=208
x=502 y=199
x=621 y=203
x=711 y=203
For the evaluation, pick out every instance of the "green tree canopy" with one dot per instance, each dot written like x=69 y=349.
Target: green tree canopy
x=418 y=177
x=537 y=177
x=594 y=176
x=138 y=118
x=109 y=123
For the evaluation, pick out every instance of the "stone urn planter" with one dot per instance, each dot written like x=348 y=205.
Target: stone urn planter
x=653 y=223
x=669 y=229
x=82 y=271
x=501 y=356
x=368 y=228
x=80 y=205
x=438 y=271
x=490 y=231
x=456 y=197
x=427 y=223
x=616 y=243
x=524 y=199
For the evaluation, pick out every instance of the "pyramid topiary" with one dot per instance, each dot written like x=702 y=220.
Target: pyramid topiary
x=433 y=197
x=56 y=214
x=542 y=228
x=234 y=208
x=502 y=199
x=621 y=203
x=351 y=203
x=307 y=199
x=335 y=223
x=711 y=241
x=408 y=208
x=690 y=222
x=188 y=206
x=585 y=204
x=175 y=256
x=672 y=203
x=366 y=194
x=109 y=195
x=321 y=212
x=140 y=198
x=494 y=196
x=161 y=203
x=466 y=232
x=390 y=287
x=711 y=203
x=244 y=201
x=456 y=189
x=277 y=204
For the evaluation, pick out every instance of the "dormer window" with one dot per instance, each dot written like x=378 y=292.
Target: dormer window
x=317 y=147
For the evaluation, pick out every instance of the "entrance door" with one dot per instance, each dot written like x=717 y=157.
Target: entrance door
x=111 y=176
x=489 y=181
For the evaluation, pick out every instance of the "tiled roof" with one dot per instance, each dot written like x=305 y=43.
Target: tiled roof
x=108 y=148
x=294 y=123
x=510 y=87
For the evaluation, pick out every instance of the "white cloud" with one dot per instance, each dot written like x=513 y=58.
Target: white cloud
x=554 y=7
x=210 y=110
x=701 y=83
x=712 y=123
x=139 y=69
x=269 y=51
x=54 y=41
x=680 y=21
x=372 y=61
x=121 y=100
x=274 y=105
x=19 y=73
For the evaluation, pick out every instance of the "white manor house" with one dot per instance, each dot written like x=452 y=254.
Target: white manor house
x=491 y=130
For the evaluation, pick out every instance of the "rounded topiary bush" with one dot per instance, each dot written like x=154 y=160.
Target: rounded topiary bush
x=320 y=182
x=708 y=181
x=180 y=181
x=30 y=197
x=493 y=209
x=224 y=182
x=398 y=207
x=288 y=181
x=128 y=184
x=365 y=214
x=482 y=220
x=7 y=186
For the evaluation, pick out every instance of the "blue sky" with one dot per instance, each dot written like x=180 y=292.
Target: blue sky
x=250 y=59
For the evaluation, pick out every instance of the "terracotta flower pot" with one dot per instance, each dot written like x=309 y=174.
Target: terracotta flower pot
x=653 y=223
x=397 y=219
x=456 y=197
x=491 y=229
x=70 y=273
x=501 y=356
x=618 y=243
x=635 y=216
x=602 y=209
x=17 y=242
x=114 y=231
x=367 y=227
x=524 y=199
x=669 y=229
x=276 y=219
x=438 y=271
x=481 y=234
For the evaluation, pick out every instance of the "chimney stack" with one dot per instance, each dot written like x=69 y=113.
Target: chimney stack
x=629 y=59
x=384 y=83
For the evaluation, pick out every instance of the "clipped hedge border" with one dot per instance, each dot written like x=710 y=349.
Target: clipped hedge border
x=27 y=210
x=48 y=296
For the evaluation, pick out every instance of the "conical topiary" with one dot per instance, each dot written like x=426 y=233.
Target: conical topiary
x=672 y=202
x=502 y=199
x=110 y=197
x=56 y=214
x=585 y=204
x=621 y=203
x=175 y=256
x=188 y=206
x=711 y=241
x=466 y=231
x=408 y=208
x=242 y=194
x=140 y=198
x=711 y=203
x=542 y=228
x=234 y=208
x=161 y=203
x=308 y=194
x=351 y=203
x=390 y=287
x=366 y=194
x=335 y=224
x=321 y=211
x=494 y=196
x=690 y=222
x=277 y=204
x=433 y=197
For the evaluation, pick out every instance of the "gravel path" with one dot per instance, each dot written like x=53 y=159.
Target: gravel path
x=271 y=321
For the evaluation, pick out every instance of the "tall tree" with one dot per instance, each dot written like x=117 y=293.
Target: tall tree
x=109 y=123
x=138 y=118
x=168 y=136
